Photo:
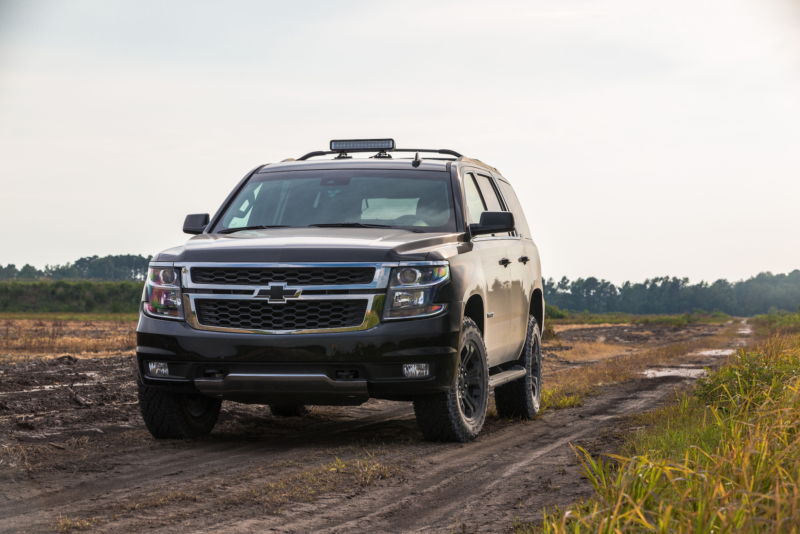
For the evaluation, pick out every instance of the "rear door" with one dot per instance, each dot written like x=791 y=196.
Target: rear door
x=523 y=265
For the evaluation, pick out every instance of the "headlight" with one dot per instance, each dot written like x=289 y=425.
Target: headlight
x=162 y=293
x=412 y=291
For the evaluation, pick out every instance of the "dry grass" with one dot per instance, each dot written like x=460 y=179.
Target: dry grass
x=307 y=485
x=28 y=456
x=301 y=485
x=590 y=351
x=14 y=456
x=568 y=387
x=558 y=328
x=149 y=502
x=33 y=337
x=70 y=524
x=70 y=316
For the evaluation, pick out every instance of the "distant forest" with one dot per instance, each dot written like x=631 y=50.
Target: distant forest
x=759 y=294
x=107 y=268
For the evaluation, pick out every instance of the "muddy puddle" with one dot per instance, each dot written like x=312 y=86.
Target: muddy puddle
x=678 y=372
x=714 y=352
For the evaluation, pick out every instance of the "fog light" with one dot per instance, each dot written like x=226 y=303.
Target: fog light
x=158 y=368
x=416 y=370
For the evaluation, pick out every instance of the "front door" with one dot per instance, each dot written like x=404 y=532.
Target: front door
x=495 y=260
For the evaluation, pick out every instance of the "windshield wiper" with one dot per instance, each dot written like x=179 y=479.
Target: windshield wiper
x=363 y=225
x=350 y=225
x=259 y=227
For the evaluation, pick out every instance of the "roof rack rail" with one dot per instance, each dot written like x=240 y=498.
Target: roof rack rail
x=383 y=147
x=381 y=154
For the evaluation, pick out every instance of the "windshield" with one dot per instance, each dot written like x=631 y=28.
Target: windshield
x=412 y=200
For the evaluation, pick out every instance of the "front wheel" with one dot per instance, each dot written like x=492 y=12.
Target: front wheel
x=522 y=398
x=459 y=414
x=177 y=415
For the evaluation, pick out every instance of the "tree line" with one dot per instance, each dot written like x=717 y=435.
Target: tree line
x=762 y=293
x=70 y=296
x=110 y=268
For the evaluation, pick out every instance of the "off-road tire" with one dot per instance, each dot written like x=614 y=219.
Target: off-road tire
x=288 y=410
x=520 y=399
x=442 y=417
x=177 y=416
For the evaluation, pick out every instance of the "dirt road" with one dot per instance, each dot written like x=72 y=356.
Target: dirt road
x=74 y=455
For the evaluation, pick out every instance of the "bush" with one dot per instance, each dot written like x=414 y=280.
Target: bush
x=552 y=311
x=63 y=296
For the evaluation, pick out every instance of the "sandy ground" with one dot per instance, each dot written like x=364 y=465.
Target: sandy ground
x=74 y=454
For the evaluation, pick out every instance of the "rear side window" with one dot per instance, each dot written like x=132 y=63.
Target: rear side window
x=516 y=208
x=489 y=194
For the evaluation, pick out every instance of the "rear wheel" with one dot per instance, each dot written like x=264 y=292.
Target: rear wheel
x=288 y=410
x=175 y=415
x=459 y=414
x=522 y=398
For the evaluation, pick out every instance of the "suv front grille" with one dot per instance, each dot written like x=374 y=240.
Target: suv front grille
x=300 y=276
x=291 y=315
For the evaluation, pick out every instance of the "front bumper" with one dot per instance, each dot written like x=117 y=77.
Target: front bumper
x=324 y=368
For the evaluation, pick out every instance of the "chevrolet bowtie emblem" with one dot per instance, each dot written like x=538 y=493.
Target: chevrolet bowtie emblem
x=278 y=293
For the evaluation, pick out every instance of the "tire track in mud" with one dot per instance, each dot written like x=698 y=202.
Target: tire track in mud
x=513 y=470
x=478 y=486
x=211 y=456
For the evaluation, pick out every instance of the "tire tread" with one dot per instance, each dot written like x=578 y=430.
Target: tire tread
x=438 y=415
x=512 y=400
x=166 y=416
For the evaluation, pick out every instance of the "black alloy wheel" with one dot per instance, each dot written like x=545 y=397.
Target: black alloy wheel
x=471 y=383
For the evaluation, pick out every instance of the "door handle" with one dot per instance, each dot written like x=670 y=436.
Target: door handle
x=524 y=259
x=505 y=262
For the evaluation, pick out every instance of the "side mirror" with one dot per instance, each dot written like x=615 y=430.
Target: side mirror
x=195 y=223
x=493 y=222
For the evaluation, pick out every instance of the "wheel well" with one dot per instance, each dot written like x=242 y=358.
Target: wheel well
x=474 y=310
x=537 y=307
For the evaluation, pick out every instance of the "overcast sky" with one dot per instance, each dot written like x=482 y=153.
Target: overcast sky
x=643 y=138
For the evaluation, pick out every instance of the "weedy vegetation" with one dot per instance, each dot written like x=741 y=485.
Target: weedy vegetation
x=779 y=323
x=724 y=458
x=676 y=320
x=32 y=337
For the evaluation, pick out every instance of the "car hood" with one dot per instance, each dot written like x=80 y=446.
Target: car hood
x=312 y=245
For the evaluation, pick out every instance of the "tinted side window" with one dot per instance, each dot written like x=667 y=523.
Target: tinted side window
x=475 y=204
x=489 y=194
x=516 y=208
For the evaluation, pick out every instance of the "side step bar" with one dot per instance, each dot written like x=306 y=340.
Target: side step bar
x=505 y=377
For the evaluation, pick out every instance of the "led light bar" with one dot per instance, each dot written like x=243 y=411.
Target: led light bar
x=352 y=145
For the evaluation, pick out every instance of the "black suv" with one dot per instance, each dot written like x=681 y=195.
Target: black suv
x=409 y=275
